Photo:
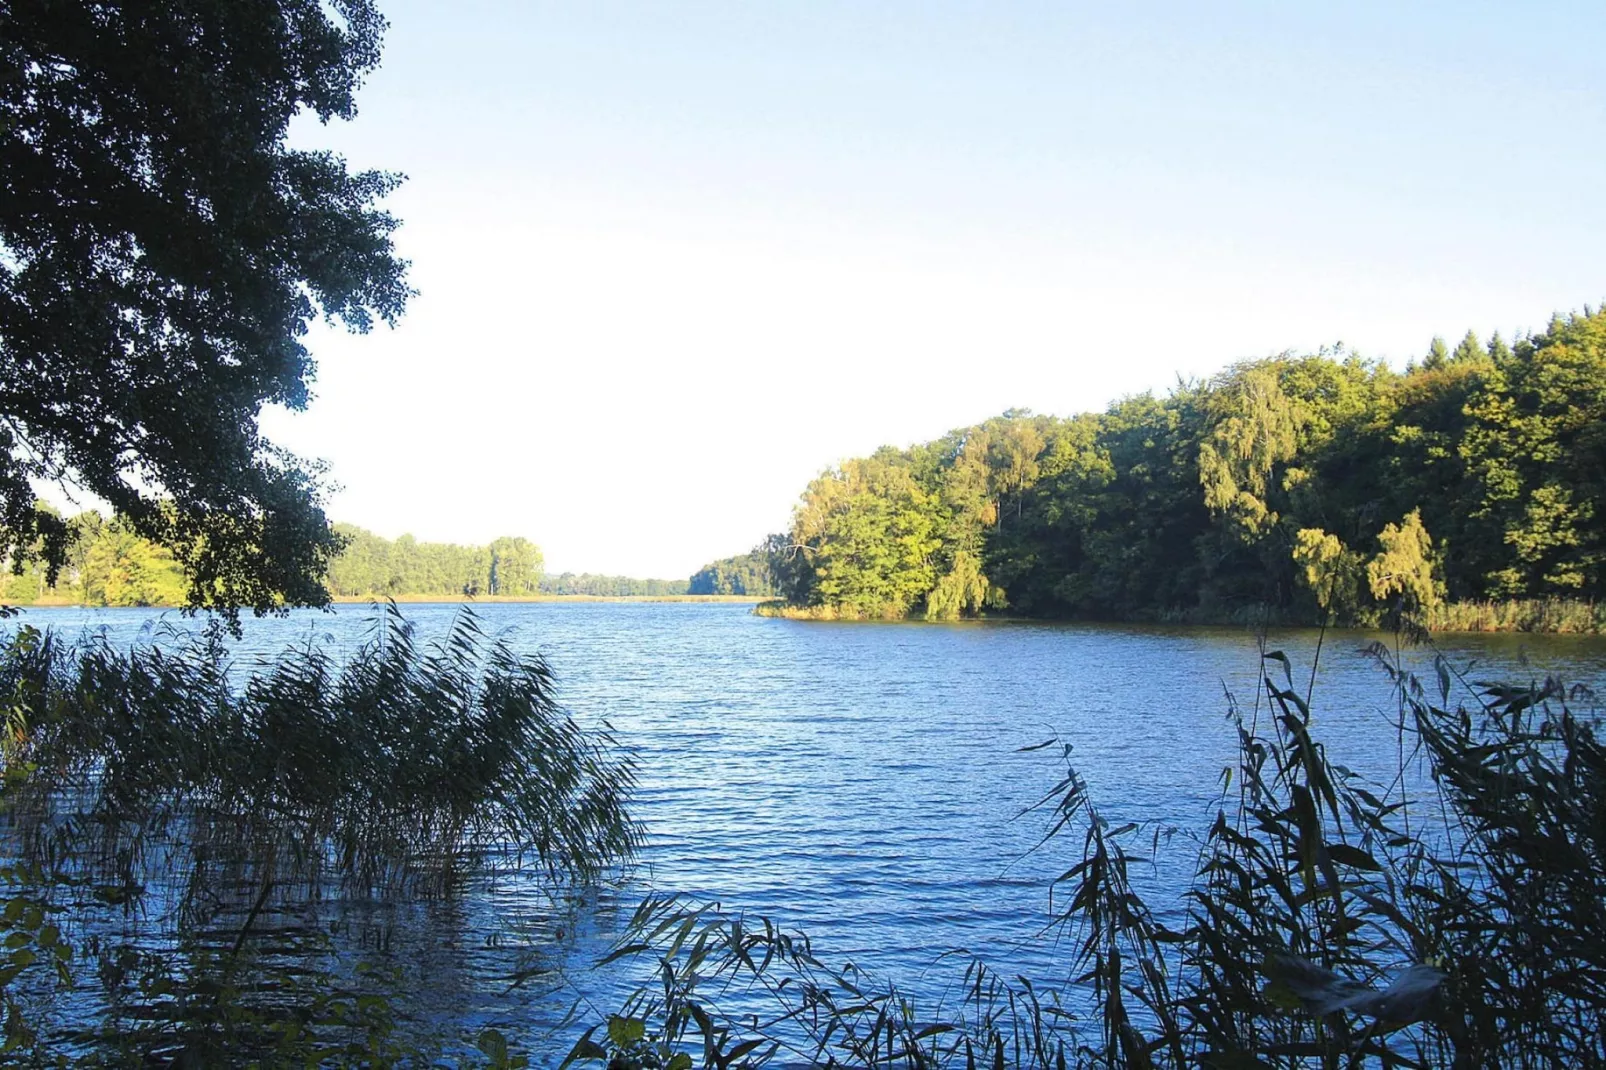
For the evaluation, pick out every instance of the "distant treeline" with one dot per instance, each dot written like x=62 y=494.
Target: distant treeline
x=746 y=574
x=1312 y=487
x=108 y=565
x=371 y=566
x=586 y=583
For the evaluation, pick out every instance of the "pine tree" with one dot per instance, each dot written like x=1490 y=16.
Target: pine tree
x=1438 y=354
x=1470 y=350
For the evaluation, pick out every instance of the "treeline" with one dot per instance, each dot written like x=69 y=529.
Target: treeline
x=375 y=567
x=745 y=574
x=108 y=565
x=586 y=583
x=1314 y=487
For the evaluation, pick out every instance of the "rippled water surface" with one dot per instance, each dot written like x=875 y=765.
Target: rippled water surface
x=863 y=782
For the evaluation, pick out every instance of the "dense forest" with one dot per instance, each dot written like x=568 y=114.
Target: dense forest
x=745 y=574
x=1314 y=487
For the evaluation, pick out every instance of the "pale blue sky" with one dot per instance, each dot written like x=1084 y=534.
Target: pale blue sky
x=676 y=259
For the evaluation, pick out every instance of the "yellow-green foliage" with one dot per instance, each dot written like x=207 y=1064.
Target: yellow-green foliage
x=1405 y=566
x=871 y=532
x=1330 y=570
x=1567 y=616
x=122 y=569
x=107 y=565
x=963 y=590
x=1262 y=487
x=1256 y=427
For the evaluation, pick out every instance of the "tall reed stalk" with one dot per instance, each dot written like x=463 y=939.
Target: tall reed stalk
x=206 y=794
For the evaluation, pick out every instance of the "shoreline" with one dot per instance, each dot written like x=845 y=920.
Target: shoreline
x=449 y=600
x=1516 y=617
x=1534 y=617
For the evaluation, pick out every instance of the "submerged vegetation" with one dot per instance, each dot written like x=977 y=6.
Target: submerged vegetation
x=1300 y=489
x=166 y=784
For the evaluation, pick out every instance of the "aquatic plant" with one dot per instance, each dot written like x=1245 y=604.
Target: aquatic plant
x=203 y=796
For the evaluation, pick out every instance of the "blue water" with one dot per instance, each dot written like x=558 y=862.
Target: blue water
x=863 y=782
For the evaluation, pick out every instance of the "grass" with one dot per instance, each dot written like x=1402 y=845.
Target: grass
x=1566 y=616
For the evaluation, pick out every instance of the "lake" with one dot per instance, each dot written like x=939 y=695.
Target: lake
x=864 y=782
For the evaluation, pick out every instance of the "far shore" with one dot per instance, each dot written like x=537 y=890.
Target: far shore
x=441 y=599
x=469 y=600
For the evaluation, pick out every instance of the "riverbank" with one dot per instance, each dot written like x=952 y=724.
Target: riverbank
x=1549 y=616
x=49 y=602
x=436 y=599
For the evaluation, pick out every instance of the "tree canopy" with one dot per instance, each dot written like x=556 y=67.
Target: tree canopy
x=1320 y=486
x=163 y=252
x=744 y=574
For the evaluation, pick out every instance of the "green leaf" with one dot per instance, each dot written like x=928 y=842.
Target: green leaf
x=1354 y=857
x=626 y=1032
x=494 y=1046
x=585 y=1049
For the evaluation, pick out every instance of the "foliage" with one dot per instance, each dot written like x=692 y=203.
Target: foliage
x=1264 y=493
x=1330 y=922
x=108 y=564
x=598 y=586
x=1404 y=568
x=162 y=254
x=746 y=574
x=157 y=780
x=1330 y=570
x=373 y=567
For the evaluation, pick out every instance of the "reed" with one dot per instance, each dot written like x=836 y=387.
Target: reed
x=205 y=796
x=1567 y=616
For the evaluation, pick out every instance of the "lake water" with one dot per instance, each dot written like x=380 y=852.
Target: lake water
x=863 y=782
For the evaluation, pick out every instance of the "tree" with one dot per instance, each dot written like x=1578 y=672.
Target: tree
x=867 y=531
x=1255 y=428
x=1404 y=568
x=515 y=567
x=1438 y=355
x=162 y=255
x=1469 y=351
x=1331 y=571
x=1536 y=453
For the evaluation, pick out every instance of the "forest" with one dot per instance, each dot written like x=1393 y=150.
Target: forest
x=744 y=574
x=1300 y=488
x=108 y=564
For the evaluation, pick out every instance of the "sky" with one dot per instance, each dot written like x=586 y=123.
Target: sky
x=675 y=260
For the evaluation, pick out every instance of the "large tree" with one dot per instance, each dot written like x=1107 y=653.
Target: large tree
x=163 y=252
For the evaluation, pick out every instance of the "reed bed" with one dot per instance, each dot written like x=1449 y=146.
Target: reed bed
x=204 y=797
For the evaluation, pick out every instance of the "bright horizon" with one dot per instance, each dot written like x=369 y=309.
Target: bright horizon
x=674 y=264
